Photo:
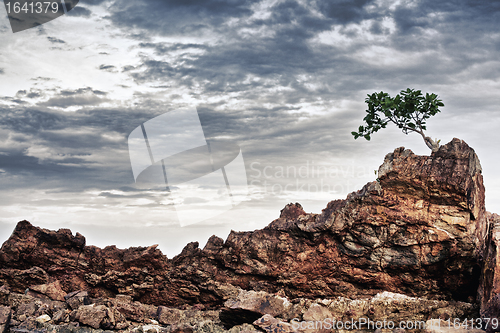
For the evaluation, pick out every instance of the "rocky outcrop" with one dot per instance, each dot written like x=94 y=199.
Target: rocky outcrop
x=420 y=230
x=34 y=256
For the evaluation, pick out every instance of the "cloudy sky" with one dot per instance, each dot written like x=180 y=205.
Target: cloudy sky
x=283 y=79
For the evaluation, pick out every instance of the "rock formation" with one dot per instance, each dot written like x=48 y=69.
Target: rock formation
x=420 y=230
x=79 y=313
x=489 y=287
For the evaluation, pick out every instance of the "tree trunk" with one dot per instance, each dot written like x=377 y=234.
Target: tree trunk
x=434 y=146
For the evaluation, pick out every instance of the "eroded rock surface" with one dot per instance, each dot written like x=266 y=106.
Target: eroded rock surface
x=418 y=231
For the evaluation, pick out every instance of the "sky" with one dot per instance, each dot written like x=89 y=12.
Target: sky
x=284 y=80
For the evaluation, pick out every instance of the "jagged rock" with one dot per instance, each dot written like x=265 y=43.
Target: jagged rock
x=418 y=231
x=90 y=315
x=258 y=302
x=52 y=290
x=20 y=279
x=77 y=298
x=131 y=311
x=5 y=315
x=317 y=312
x=168 y=316
x=272 y=325
x=73 y=263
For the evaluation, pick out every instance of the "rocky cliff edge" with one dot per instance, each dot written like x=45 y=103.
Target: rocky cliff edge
x=421 y=229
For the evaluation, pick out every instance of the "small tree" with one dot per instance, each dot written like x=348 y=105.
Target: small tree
x=408 y=110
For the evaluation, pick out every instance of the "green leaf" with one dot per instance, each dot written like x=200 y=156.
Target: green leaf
x=408 y=110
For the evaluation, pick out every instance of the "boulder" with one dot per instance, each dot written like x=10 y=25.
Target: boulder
x=90 y=315
x=271 y=325
x=258 y=302
x=5 y=316
x=77 y=298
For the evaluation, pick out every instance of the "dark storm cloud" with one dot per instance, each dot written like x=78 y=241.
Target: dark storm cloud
x=282 y=56
x=461 y=14
x=80 y=91
x=286 y=51
x=276 y=133
x=81 y=150
x=29 y=120
x=79 y=101
x=33 y=93
x=177 y=16
x=2 y=71
x=79 y=11
x=107 y=68
x=272 y=66
x=345 y=11
x=101 y=121
x=41 y=78
x=80 y=97
x=15 y=163
x=13 y=100
x=163 y=48
x=56 y=40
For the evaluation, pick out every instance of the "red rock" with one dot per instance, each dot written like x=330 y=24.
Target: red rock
x=181 y=328
x=20 y=279
x=489 y=288
x=419 y=231
x=131 y=311
x=169 y=316
x=258 y=302
x=77 y=298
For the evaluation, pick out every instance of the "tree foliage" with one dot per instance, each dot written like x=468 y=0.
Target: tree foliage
x=409 y=110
